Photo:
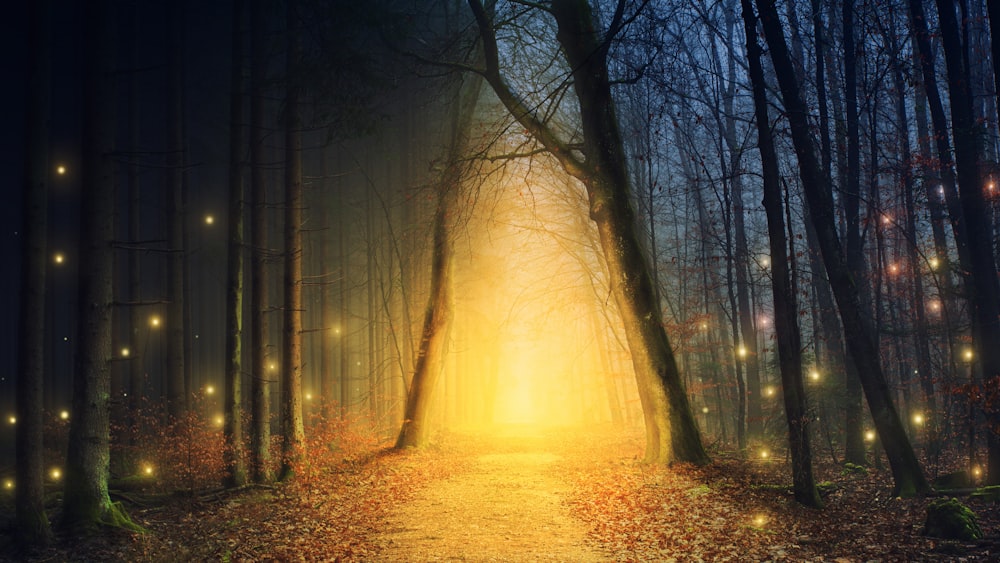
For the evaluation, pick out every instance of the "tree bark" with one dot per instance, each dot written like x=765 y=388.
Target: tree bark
x=786 y=325
x=260 y=432
x=860 y=339
x=292 y=429
x=86 y=503
x=235 y=452
x=32 y=524
x=177 y=392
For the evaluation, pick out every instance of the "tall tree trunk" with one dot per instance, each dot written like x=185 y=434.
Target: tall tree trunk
x=136 y=387
x=860 y=338
x=439 y=312
x=671 y=432
x=32 y=524
x=86 y=503
x=260 y=399
x=984 y=300
x=292 y=430
x=235 y=452
x=854 y=451
x=786 y=324
x=177 y=392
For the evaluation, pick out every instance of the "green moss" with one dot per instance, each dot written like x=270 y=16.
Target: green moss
x=950 y=481
x=116 y=517
x=990 y=493
x=853 y=469
x=950 y=519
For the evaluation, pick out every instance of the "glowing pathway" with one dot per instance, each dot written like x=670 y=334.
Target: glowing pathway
x=509 y=506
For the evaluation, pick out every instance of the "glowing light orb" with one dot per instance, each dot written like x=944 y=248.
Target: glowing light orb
x=209 y=220
x=154 y=321
x=147 y=469
x=759 y=520
x=8 y=484
x=61 y=170
x=126 y=352
x=869 y=435
x=12 y=419
x=814 y=375
x=742 y=352
x=977 y=471
x=59 y=258
x=55 y=473
x=769 y=391
x=272 y=366
x=764 y=454
x=209 y=389
x=704 y=410
x=309 y=396
x=219 y=420
x=918 y=419
x=967 y=354
x=64 y=415
x=934 y=263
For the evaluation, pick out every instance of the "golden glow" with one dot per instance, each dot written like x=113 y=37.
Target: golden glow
x=759 y=520
x=934 y=263
x=764 y=454
x=64 y=415
x=704 y=410
x=309 y=396
x=209 y=389
x=769 y=391
x=12 y=419
x=967 y=354
x=55 y=473
x=893 y=269
x=935 y=306
x=869 y=435
x=8 y=484
x=918 y=419
x=209 y=220
x=977 y=472
x=886 y=219
x=814 y=375
x=765 y=262
x=58 y=258
x=147 y=469
x=61 y=170
x=126 y=352
x=219 y=420
x=741 y=352
x=154 y=321
x=273 y=366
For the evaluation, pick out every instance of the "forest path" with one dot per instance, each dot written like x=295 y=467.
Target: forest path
x=508 y=503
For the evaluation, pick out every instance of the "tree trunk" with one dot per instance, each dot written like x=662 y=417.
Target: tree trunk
x=235 y=454
x=439 y=311
x=177 y=392
x=786 y=325
x=984 y=300
x=292 y=429
x=908 y=476
x=32 y=524
x=86 y=503
x=260 y=432
x=671 y=432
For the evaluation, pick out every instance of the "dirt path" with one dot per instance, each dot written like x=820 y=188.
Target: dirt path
x=508 y=504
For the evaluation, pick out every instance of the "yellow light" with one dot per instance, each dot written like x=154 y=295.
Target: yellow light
x=59 y=258
x=12 y=419
x=126 y=352
x=704 y=326
x=147 y=469
x=336 y=330
x=764 y=454
x=272 y=366
x=765 y=262
x=976 y=471
x=935 y=305
x=209 y=219
x=64 y=415
x=742 y=352
x=869 y=435
x=704 y=410
x=209 y=389
x=219 y=420
x=61 y=170
x=309 y=396
x=8 y=484
x=967 y=355
x=759 y=520
x=918 y=419
x=55 y=473
x=814 y=375
x=886 y=219
x=893 y=269
x=769 y=391
x=934 y=263
x=154 y=321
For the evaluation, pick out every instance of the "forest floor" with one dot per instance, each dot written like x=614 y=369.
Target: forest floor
x=527 y=495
